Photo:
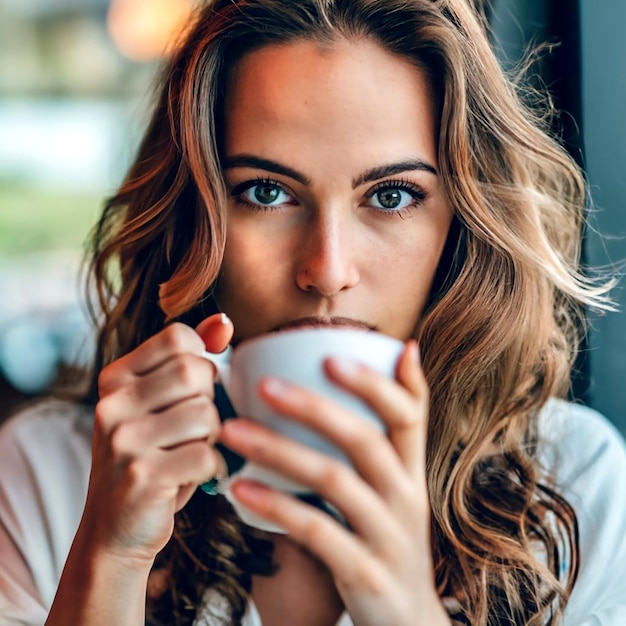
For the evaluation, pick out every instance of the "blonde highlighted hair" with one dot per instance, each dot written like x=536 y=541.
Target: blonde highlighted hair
x=498 y=338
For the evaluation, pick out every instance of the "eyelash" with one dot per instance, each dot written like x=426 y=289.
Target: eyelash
x=417 y=193
x=238 y=191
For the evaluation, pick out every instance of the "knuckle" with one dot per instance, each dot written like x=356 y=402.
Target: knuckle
x=105 y=380
x=138 y=473
x=212 y=464
x=207 y=411
x=202 y=407
x=315 y=531
x=119 y=440
x=412 y=416
x=332 y=477
x=202 y=458
x=193 y=428
x=177 y=337
x=364 y=576
x=104 y=413
x=184 y=371
x=365 y=435
x=407 y=492
x=369 y=581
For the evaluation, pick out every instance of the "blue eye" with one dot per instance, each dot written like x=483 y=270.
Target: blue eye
x=262 y=193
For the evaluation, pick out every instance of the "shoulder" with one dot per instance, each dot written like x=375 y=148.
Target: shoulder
x=46 y=431
x=49 y=436
x=46 y=444
x=577 y=441
x=586 y=456
x=45 y=458
x=51 y=416
x=46 y=435
x=44 y=412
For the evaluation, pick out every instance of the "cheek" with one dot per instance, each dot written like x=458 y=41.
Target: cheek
x=406 y=274
x=250 y=270
x=405 y=281
x=242 y=267
x=411 y=258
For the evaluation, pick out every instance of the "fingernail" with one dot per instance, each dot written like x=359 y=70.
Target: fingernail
x=238 y=426
x=344 y=366
x=249 y=492
x=224 y=319
x=275 y=386
x=415 y=352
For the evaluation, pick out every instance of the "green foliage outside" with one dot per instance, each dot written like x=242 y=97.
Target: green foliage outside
x=39 y=220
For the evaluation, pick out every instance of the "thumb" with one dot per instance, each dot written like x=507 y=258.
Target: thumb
x=216 y=331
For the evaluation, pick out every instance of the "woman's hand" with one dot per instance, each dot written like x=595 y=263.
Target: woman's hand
x=155 y=427
x=382 y=567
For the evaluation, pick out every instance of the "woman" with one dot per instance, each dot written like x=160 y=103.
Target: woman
x=331 y=162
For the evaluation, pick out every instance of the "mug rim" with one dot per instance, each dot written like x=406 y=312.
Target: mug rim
x=306 y=330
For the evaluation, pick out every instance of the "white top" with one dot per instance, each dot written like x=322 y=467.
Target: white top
x=44 y=468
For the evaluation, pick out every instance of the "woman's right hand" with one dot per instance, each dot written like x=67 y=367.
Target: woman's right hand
x=154 y=433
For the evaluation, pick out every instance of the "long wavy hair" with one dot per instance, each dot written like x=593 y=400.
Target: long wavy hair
x=498 y=337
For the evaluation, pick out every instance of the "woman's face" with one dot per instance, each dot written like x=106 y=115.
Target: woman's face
x=336 y=213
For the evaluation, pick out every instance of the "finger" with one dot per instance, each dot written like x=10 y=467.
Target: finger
x=185 y=492
x=178 y=379
x=367 y=447
x=403 y=407
x=191 y=463
x=175 y=339
x=182 y=377
x=184 y=495
x=366 y=512
x=409 y=437
x=351 y=563
x=216 y=331
x=195 y=419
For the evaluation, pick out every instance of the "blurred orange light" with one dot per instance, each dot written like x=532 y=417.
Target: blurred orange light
x=144 y=30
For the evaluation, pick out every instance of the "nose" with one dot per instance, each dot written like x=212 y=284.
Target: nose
x=328 y=258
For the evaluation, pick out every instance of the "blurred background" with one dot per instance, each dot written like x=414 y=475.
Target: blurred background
x=74 y=83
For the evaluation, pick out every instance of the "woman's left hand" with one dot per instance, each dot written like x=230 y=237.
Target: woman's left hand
x=382 y=566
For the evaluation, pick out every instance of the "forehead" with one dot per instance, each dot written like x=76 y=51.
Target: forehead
x=348 y=91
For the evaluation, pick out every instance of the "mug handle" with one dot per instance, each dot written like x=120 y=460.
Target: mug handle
x=221 y=360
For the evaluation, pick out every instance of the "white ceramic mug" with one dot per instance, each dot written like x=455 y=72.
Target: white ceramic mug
x=297 y=355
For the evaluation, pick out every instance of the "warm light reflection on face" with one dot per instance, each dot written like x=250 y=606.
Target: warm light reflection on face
x=336 y=206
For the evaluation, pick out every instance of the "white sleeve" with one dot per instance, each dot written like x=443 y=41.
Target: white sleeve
x=593 y=478
x=44 y=470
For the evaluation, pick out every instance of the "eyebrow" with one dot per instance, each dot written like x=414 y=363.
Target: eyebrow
x=247 y=160
x=411 y=165
x=375 y=173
